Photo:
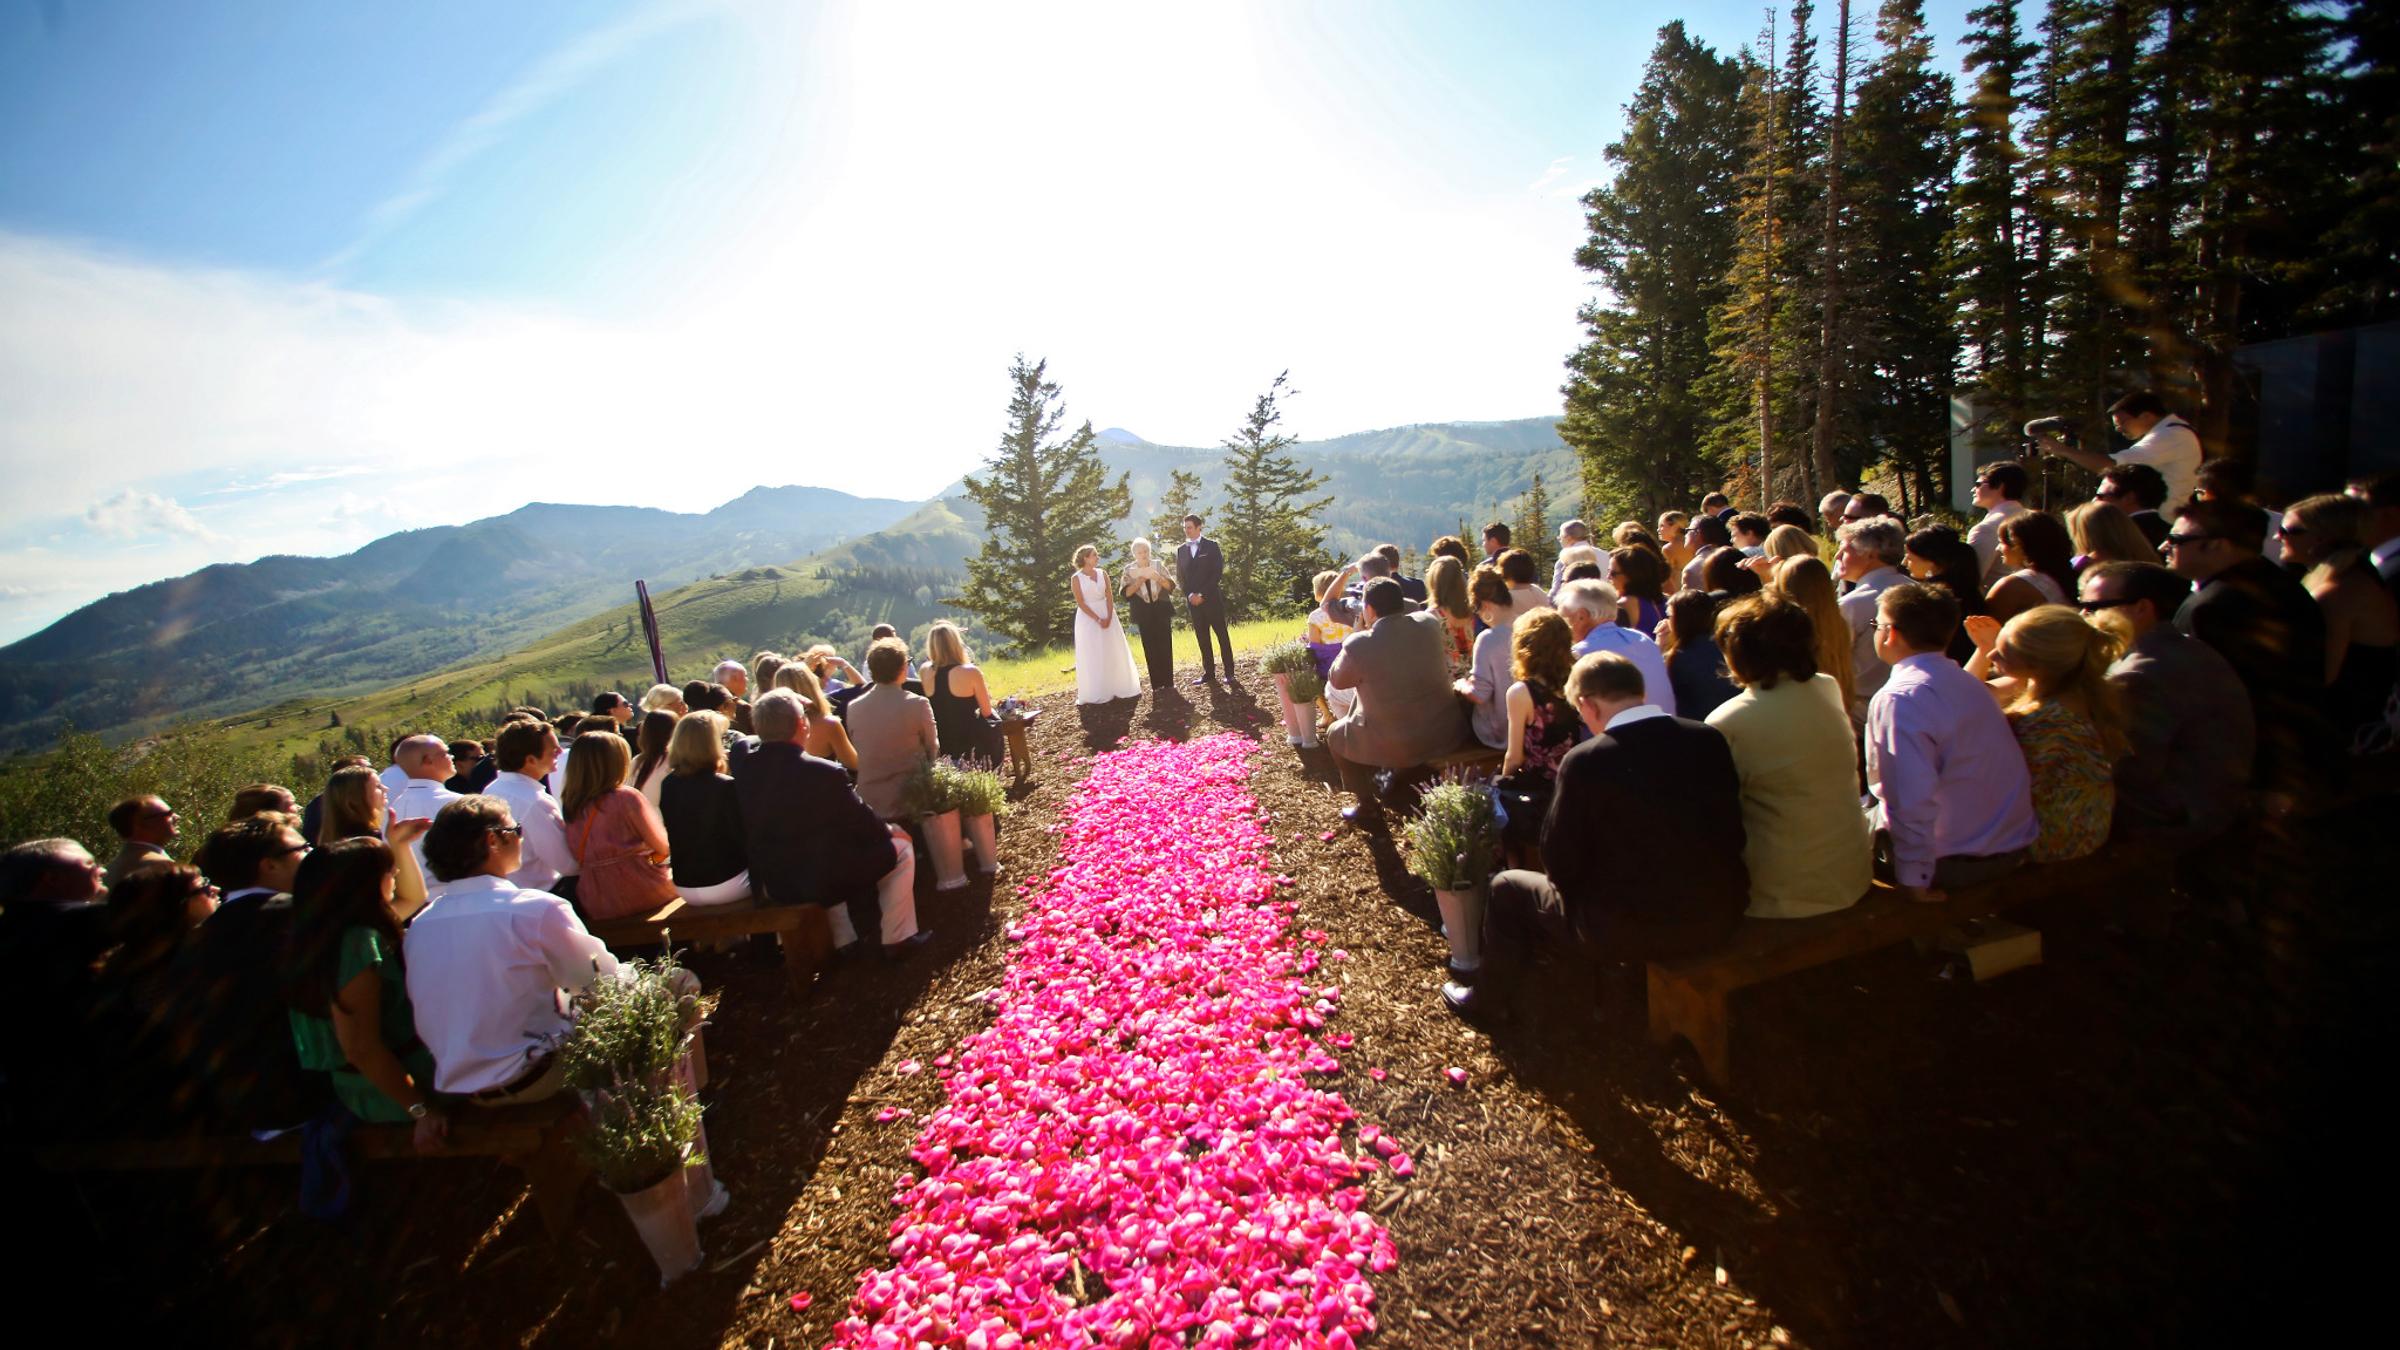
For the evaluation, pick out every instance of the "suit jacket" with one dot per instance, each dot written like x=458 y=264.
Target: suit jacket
x=1200 y=566
x=1670 y=783
x=2193 y=738
x=1406 y=713
x=2268 y=628
x=811 y=840
x=241 y=1032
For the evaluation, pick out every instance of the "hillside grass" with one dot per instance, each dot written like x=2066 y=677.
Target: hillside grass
x=1052 y=670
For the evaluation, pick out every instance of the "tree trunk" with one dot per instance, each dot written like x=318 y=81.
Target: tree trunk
x=1829 y=348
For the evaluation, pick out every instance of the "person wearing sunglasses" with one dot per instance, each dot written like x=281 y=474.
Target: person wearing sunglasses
x=2265 y=624
x=239 y=1035
x=146 y=825
x=1999 y=494
x=2324 y=544
x=2190 y=735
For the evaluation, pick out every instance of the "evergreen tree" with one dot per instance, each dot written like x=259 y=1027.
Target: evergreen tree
x=1043 y=497
x=1744 y=332
x=1832 y=339
x=1661 y=243
x=1182 y=498
x=2361 y=225
x=1269 y=532
x=1905 y=155
x=1533 y=531
x=1991 y=231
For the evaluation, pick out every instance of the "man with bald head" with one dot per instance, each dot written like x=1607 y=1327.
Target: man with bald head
x=736 y=678
x=426 y=760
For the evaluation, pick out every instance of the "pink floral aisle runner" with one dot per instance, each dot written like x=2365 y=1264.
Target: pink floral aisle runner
x=1137 y=1152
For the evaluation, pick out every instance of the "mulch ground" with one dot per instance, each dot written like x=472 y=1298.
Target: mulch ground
x=2138 y=1141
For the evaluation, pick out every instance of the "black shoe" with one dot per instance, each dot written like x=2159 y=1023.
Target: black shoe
x=1209 y=677
x=1473 y=1003
x=896 y=952
x=1365 y=815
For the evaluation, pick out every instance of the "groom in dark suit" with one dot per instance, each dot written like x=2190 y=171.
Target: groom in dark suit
x=1200 y=570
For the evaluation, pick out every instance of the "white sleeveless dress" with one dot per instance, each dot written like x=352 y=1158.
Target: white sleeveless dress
x=1103 y=657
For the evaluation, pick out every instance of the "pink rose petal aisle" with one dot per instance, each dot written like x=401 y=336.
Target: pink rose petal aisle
x=1139 y=1151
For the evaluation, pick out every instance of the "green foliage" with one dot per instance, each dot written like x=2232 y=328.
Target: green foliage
x=635 y=1139
x=67 y=792
x=1533 y=531
x=1043 y=497
x=935 y=787
x=630 y=1034
x=1454 y=837
x=1298 y=667
x=1267 y=529
x=981 y=792
x=1181 y=498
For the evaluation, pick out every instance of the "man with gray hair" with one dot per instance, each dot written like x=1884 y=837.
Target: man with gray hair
x=1569 y=535
x=1830 y=508
x=812 y=841
x=736 y=678
x=1867 y=554
x=1590 y=609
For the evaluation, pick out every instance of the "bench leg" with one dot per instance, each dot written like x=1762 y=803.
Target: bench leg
x=806 y=948
x=556 y=1176
x=1678 y=1008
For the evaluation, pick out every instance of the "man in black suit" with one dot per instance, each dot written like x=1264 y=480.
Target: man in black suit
x=1664 y=780
x=1200 y=570
x=2267 y=627
x=53 y=926
x=2139 y=491
x=241 y=1031
x=813 y=842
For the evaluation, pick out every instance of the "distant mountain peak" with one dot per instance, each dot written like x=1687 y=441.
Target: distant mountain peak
x=1120 y=436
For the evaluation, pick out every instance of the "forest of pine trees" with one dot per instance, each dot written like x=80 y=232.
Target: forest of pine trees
x=1810 y=249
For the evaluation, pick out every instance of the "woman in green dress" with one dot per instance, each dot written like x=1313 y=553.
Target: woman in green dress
x=349 y=999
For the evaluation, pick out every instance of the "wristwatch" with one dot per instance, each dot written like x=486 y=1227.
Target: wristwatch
x=419 y=1110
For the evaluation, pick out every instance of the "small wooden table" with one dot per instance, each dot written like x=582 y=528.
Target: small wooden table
x=1012 y=730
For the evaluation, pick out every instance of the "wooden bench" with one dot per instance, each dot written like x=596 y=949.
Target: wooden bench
x=1475 y=759
x=532 y=1137
x=1689 y=997
x=803 y=930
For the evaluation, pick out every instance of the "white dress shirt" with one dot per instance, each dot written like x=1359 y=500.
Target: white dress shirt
x=1985 y=537
x=1867 y=670
x=395 y=779
x=547 y=857
x=421 y=799
x=1640 y=712
x=1635 y=646
x=2172 y=448
x=489 y=971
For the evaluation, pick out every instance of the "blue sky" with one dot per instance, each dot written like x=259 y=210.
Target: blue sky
x=282 y=277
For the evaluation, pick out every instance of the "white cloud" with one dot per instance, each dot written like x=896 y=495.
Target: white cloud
x=143 y=515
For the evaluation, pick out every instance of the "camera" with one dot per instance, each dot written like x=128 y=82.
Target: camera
x=2063 y=428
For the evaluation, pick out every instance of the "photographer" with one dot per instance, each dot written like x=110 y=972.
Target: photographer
x=2160 y=439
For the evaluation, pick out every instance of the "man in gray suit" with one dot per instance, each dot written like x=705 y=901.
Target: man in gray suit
x=2188 y=717
x=1406 y=712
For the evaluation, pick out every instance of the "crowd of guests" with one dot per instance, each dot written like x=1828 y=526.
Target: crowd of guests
x=1790 y=713
x=403 y=947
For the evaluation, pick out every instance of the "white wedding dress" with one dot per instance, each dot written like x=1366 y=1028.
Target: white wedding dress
x=1103 y=656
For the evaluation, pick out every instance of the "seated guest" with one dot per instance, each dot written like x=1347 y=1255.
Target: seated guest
x=2067 y=718
x=1866 y=506
x=2037 y=556
x=1696 y=675
x=1789 y=513
x=1665 y=783
x=613 y=706
x=259 y=799
x=1572 y=535
x=53 y=927
x=1953 y=802
x=1495 y=541
x=1630 y=534
x=1999 y=494
x=1807 y=582
x=1542 y=725
x=490 y=968
x=1832 y=511
x=240 y=1039
x=812 y=840
x=1675 y=544
x=1639 y=578
x=354 y=805
x=1485 y=684
x=831 y=670
x=704 y=822
x=699 y=696
x=1784 y=541
x=2141 y=493
x=662 y=696
x=1587 y=607
x=1867 y=554
x=892 y=729
x=1446 y=587
x=427 y=762
x=395 y=774
x=619 y=843
x=2191 y=740
x=527 y=752
x=467 y=758
x=1354 y=578
x=2267 y=627
x=2324 y=544
x=146 y=825
x=134 y=1020
x=1937 y=554
x=964 y=722
x=734 y=678
x=1708 y=534
x=764 y=667
x=1749 y=530
x=312 y=816
x=1807 y=847
x=1400 y=670
x=883 y=631
x=1451 y=546
x=1518 y=569
x=1582 y=558
x=827 y=737
x=1725 y=574
x=1719 y=505
x=2102 y=533
x=650 y=755
x=349 y=1013
x=1411 y=587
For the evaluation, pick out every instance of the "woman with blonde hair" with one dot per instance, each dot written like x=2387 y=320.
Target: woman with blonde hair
x=1784 y=541
x=2324 y=542
x=1446 y=591
x=1806 y=580
x=1542 y=725
x=2053 y=669
x=665 y=696
x=620 y=844
x=963 y=717
x=2102 y=533
x=763 y=669
x=710 y=858
x=830 y=669
x=1103 y=658
x=1151 y=593
x=827 y=737
x=356 y=805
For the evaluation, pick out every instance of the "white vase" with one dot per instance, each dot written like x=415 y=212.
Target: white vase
x=1462 y=924
x=663 y=1216
x=943 y=843
x=1299 y=719
x=983 y=835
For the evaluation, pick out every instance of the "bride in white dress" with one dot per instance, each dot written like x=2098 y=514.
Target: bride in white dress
x=1103 y=657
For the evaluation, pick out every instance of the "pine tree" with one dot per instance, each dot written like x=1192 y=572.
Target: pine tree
x=1831 y=338
x=1269 y=532
x=1043 y=497
x=1743 y=333
x=1532 y=531
x=1991 y=231
x=1182 y=498
x=1661 y=243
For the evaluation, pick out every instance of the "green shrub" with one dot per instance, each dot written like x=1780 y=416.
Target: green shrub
x=630 y=1035
x=636 y=1139
x=934 y=787
x=981 y=791
x=1453 y=838
x=1298 y=666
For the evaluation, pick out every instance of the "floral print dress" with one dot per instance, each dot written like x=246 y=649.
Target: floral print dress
x=2074 y=784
